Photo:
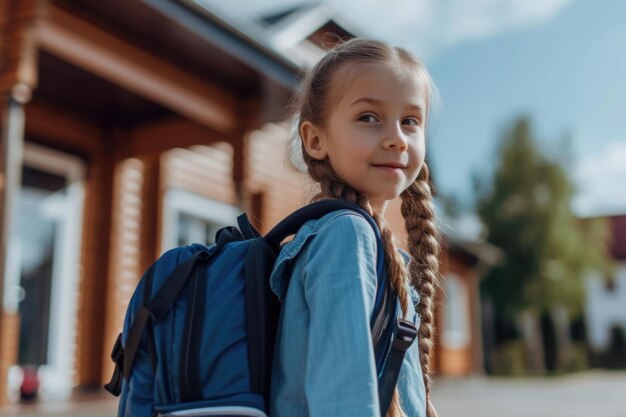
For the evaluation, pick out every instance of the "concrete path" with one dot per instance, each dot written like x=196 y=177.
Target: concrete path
x=587 y=394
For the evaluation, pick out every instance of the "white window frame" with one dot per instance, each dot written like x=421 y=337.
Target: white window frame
x=57 y=375
x=457 y=312
x=179 y=201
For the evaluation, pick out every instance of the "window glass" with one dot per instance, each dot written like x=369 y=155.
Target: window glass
x=456 y=313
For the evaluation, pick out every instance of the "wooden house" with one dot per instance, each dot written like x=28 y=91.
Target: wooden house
x=606 y=295
x=128 y=128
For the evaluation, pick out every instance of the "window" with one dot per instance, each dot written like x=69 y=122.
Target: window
x=191 y=218
x=43 y=272
x=456 y=313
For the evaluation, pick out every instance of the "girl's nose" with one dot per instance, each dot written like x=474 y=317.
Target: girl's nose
x=395 y=138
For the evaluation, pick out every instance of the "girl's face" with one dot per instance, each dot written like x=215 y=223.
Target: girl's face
x=373 y=134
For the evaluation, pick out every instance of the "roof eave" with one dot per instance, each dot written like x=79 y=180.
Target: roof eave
x=233 y=41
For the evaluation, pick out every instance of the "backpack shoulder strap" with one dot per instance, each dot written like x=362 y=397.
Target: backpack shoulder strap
x=404 y=333
x=290 y=225
x=158 y=306
x=246 y=228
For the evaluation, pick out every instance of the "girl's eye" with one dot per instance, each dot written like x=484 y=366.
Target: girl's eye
x=411 y=122
x=367 y=118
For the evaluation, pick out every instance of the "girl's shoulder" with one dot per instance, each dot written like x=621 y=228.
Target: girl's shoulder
x=338 y=232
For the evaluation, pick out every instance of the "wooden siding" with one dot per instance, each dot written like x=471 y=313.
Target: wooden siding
x=283 y=188
x=204 y=170
x=125 y=249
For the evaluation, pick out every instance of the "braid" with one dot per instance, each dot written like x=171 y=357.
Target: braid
x=423 y=242
x=332 y=187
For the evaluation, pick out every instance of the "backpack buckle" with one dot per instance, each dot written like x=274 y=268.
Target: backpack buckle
x=405 y=335
x=117 y=354
x=114 y=386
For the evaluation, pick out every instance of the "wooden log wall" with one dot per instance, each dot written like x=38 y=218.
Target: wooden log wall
x=279 y=188
x=203 y=170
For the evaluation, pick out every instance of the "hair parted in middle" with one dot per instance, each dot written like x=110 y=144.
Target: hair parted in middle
x=313 y=104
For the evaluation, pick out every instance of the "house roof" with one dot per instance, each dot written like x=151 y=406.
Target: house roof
x=242 y=39
x=464 y=236
x=304 y=32
x=616 y=239
x=617 y=246
x=305 y=21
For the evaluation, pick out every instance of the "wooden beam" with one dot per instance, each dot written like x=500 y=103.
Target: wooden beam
x=166 y=134
x=112 y=58
x=18 y=50
x=62 y=128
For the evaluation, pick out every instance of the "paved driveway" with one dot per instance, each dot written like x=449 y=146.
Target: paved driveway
x=587 y=394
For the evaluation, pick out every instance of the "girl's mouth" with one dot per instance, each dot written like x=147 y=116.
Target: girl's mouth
x=390 y=167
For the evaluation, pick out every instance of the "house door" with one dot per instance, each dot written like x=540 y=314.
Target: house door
x=45 y=251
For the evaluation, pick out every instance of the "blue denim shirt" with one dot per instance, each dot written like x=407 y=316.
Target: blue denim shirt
x=324 y=359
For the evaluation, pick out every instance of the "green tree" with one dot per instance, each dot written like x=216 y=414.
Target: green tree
x=526 y=209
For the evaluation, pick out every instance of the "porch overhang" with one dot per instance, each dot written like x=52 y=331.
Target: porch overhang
x=113 y=59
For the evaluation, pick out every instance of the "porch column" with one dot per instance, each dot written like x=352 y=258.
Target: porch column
x=18 y=77
x=151 y=208
x=241 y=164
x=11 y=149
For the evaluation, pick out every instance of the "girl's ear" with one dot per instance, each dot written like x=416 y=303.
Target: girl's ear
x=314 y=140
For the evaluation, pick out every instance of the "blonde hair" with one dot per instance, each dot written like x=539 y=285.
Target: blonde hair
x=417 y=207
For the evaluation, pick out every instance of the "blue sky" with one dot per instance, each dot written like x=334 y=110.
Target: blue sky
x=560 y=62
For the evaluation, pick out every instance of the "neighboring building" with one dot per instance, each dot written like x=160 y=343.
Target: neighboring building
x=605 y=306
x=466 y=258
x=129 y=128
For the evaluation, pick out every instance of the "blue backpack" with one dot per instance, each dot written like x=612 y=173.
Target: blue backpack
x=199 y=331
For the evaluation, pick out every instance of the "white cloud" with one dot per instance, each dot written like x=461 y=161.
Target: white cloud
x=467 y=19
x=425 y=26
x=601 y=180
x=429 y=26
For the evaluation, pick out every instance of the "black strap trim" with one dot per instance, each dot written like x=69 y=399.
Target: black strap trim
x=405 y=334
x=147 y=295
x=167 y=294
x=295 y=220
x=134 y=336
x=118 y=354
x=262 y=314
x=246 y=228
x=190 y=384
x=114 y=386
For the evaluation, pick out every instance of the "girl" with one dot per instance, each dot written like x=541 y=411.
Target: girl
x=361 y=117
